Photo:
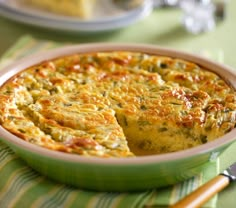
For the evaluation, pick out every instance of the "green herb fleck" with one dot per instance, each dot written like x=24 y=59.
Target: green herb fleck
x=119 y=105
x=203 y=139
x=145 y=144
x=21 y=130
x=208 y=128
x=163 y=65
x=143 y=107
x=152 y=69
x=125 y=121
x=162 y=129
x=173 y=103
x=143 y=123
x=67 y=104
x=31 y=140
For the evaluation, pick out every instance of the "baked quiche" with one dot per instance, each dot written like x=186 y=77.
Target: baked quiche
x=77 y=8
x=117 y=104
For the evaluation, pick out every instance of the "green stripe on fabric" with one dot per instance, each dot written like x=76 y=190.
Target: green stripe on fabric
x=5 y=172
x=87 y=199
x=135 y=200
x=186 y=187
x=24 y=47
x=21 y=43
x=6 y=156
x=20 y=188
x=99 y=200
x=107 y=200
x=57 y=199
x=84 y=199
x=39 y=189
x=3 y=146
x=38 y=47
x=15 y=183
x=117 y=201
x=19 y=197
x=57 y=196
x=160 y=196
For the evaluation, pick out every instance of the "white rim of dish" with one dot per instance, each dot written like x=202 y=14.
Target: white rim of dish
x=46 y=15
x=225 y=72
x=72 y=24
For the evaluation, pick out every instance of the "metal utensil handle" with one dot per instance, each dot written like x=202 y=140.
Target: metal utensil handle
x=204 y=193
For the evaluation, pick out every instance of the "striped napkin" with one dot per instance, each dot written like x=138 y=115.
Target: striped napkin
x=21 y=186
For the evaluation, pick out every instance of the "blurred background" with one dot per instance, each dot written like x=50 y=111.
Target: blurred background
x=190 y=25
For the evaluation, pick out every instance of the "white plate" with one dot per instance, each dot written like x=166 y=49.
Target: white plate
x=106 y=17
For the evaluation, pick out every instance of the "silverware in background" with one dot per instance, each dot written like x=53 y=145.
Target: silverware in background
x=198 y=15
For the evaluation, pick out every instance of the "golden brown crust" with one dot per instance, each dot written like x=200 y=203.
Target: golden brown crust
x=93 y=104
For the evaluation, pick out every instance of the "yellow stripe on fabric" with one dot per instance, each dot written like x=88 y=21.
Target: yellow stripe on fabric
x=55 y=194
x=160 y=196
x=117 y=201
x=21 y=43
x=26 y=46
x=17 y=51
x=182 y=189
x=6 y=155
x=71 y=198
x=38 y=47
x=15 y=201
x=97 y=201
x=38 y=190
x=62 y=198
x=90 y=199
x=94 y=199
x=7 y=160
x=106 y=200
x=11 y=164
x=14 y=183
x=41 y=198
x=83 y=198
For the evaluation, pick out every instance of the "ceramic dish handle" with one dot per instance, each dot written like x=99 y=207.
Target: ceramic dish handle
x=204 y=193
